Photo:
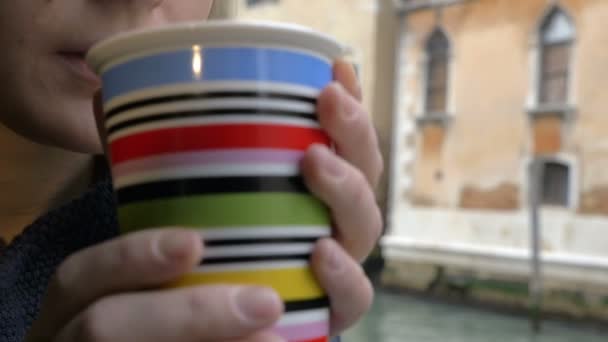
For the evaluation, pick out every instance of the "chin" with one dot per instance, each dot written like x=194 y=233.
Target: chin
x=69 y=141
x=75 y=130
x=79 y=137
x=92 y=147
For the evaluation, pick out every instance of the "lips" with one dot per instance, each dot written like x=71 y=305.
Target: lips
x=75 y=60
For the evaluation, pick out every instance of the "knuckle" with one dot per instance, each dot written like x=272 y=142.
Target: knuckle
x=362 y=198
x=372 y=232
x=360 y=126
x=360 y=190
x=92 y=325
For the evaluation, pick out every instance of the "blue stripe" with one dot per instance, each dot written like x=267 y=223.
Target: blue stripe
x=219 y=64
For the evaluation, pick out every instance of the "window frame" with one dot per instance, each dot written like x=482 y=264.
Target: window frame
x=541 y=97
x=573 y=179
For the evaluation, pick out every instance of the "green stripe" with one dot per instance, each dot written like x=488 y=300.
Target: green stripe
x=224 y=210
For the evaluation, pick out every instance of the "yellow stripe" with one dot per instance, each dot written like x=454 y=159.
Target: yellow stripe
x=291 y=284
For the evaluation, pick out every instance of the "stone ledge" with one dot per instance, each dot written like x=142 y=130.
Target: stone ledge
x=442 y=119
x=509 y=293
x=562 y=111
x=416 y=5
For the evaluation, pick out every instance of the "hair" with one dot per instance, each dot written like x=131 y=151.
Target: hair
x=222 y=9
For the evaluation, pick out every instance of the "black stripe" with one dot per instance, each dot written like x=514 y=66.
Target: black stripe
x=302 y=305
x=255 y=241
x=209 y=185
x=209 y=95
x=230 y=260
x=211 y=112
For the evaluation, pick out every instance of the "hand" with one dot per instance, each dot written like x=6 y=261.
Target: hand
x=105 y=293
x=345 y=182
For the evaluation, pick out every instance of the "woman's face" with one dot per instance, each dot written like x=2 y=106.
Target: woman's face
x=48 y=89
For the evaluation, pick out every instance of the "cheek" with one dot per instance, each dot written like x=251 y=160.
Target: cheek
x=39 y=107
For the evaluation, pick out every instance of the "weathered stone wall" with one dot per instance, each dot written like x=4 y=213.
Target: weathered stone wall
x=491 y=136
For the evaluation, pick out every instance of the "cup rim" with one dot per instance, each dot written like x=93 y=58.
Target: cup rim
x=213 y=32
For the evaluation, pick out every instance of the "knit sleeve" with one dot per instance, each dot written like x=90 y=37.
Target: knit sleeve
x=30 y=260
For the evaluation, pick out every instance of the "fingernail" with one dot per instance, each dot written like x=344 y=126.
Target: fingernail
x=258 y=305
x=175 y=245
x=329 y=162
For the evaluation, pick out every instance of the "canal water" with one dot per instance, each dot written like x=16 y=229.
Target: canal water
x=399 y=318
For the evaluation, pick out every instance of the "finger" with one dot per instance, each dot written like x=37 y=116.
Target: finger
x=209 y=313
x=351 y=130
x=344 y=189
x=349 y=290
x=344 y=73
x=137 y=261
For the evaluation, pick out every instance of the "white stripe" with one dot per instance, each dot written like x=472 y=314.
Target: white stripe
x=211 y=104
x=304 y=317
x=258 y=250
x=248 y=266
x=237 y=233
x=214 y=120
x=219 y=86
x=212 y=170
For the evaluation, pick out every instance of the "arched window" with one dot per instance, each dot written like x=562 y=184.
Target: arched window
x=557 y=35
x=438 y=52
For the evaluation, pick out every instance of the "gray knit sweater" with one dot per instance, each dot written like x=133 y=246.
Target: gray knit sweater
x=29 y=261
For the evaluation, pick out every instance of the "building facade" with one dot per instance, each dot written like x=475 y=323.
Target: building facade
x=352 y=22
x=486 y=88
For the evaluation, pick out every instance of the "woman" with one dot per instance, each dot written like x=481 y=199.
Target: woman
x=67 y=277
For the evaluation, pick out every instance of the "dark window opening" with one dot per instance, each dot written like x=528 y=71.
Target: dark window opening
x=556 y=184
x=251 y=3
x=438 y=51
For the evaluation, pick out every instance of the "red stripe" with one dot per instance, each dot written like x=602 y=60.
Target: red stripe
x=185 y=139
x=320 y=339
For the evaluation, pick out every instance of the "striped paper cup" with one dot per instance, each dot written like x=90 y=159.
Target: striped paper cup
x=207 y=123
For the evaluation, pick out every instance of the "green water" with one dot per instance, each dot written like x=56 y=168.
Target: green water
x=398 y=318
